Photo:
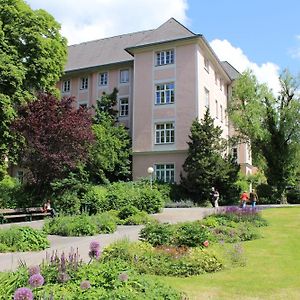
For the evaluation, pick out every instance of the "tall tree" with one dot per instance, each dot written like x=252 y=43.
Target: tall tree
x=32 y=57
x=205 y=167
x=270 y=124
x=110 y=155
x=57 y=137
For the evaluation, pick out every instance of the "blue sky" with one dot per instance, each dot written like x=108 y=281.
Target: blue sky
x=265 y=30
x=261 y=35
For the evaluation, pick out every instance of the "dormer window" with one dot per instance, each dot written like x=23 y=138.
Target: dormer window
x=165 y=57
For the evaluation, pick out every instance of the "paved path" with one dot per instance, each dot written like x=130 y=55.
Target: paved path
x=10 y=261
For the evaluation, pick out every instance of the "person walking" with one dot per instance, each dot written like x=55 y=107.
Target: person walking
x=253 y=198
x=215 y=197
x=244 y=199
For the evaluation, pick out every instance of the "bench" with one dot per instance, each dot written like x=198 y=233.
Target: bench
x=21 y=213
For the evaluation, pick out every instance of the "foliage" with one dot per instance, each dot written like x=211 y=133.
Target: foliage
x=68 y=203
x=190 y=234
x=95 y=200
x=141 y=217
x=169 y=261
x=18 y=238
x=158 y=234
x=109 y=157
x=32 y=57
x=127 y=211
x=57 y=137
x=293 y=196
x=8 y=187
x=180 y=204
x=266 y=194
x=81 y=225
x=142 y=197
x=204 y=166
x=271 y=126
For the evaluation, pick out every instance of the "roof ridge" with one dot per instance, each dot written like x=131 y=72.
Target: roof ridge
x=111 y=37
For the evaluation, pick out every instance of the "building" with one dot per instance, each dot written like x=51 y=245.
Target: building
x=166 y=78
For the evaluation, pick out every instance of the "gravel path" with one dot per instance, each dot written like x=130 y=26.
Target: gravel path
x=10 y=261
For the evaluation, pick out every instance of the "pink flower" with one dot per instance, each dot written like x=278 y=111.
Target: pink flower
x=23 y=294
x=36 y=280
x=206 y=243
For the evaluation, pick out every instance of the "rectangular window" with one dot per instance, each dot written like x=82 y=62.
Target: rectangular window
x=234 y=153
x=124 y=76
x=216 y=78
x=165 y=57
x=123 y=107
x=20 y=176
x=206 y=64
x=206 y=93
x=84 y=81
x=165 y=172
x=221 y=84
x=164 y=133
x=217 y=109
x=164 y=93
x=221 y=112
x=82 y=104
x=66 y=86
x=103 y=78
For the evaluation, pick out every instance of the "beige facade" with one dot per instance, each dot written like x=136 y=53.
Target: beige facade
x=166 y=78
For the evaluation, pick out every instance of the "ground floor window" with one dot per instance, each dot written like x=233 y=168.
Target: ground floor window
x=165 y=172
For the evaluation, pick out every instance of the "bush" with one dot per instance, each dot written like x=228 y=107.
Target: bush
x=8 y=187
x=266 y=194
x=139 y=218
x=157 y=234
x=293 y=196
x=18 y=238
x=80 y=225
x=190 y=234
x=106 y=222
x=168 y=261
x=95 y=200
x=68 y=204
x=127 y=211
x=180 y=204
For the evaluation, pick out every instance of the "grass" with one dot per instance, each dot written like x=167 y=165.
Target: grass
x=272 y=271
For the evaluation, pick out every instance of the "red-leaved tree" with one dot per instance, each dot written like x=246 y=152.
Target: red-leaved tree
x=56 y=138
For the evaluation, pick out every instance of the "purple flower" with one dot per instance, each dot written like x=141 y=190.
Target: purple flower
x=94 y=250
x=23 y=294
x=123 y=277
x=94 y=245
x=85 y=285
x=36 y=280
x=34 y=270
x=63 y=277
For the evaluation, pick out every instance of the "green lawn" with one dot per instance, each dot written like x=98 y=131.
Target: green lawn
x=273 y=265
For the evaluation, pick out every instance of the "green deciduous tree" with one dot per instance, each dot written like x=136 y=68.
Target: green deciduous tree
x=205 y=167
x=271 y=124
x=110 y=155
x=32 y=57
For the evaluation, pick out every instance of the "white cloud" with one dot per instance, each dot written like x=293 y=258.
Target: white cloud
x=295 y=52
x=266 y=73
x=84 y=20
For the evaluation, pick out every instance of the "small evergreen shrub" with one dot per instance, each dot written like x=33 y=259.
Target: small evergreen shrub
x=158 y=234
x=18 y=238
x=127 y=211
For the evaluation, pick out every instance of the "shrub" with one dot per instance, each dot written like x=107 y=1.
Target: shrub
x=139 y=218
x=106 y=222
x=95 y=200
x=157 y=234
x=127 y=211
x=180 y=204
x=18 y=238
x=293 y=196
x=191 y=234
x=8 y=187
x=68 y=203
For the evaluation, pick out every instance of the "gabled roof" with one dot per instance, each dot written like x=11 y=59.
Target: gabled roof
x=232 y=72
x=112 y=50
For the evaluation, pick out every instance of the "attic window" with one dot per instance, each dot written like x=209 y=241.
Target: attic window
x=165 y=57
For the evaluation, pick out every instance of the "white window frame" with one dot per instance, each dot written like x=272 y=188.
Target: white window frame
x=216 y=78
x=217 y=109
x=206 y=97
x=165 y=172
x=221 y=84
x=123 y=107
x=222 y=114
x=66 y=86
x=84 y=83
x=124 y=76
x=103 y=78
x=165 y=133
x=165 y=57
x=165 y=93
x=206 y=64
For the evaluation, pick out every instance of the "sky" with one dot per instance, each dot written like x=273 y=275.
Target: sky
x=261 y=35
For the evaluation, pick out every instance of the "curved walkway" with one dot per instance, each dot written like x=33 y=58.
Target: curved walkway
x=10 y=261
